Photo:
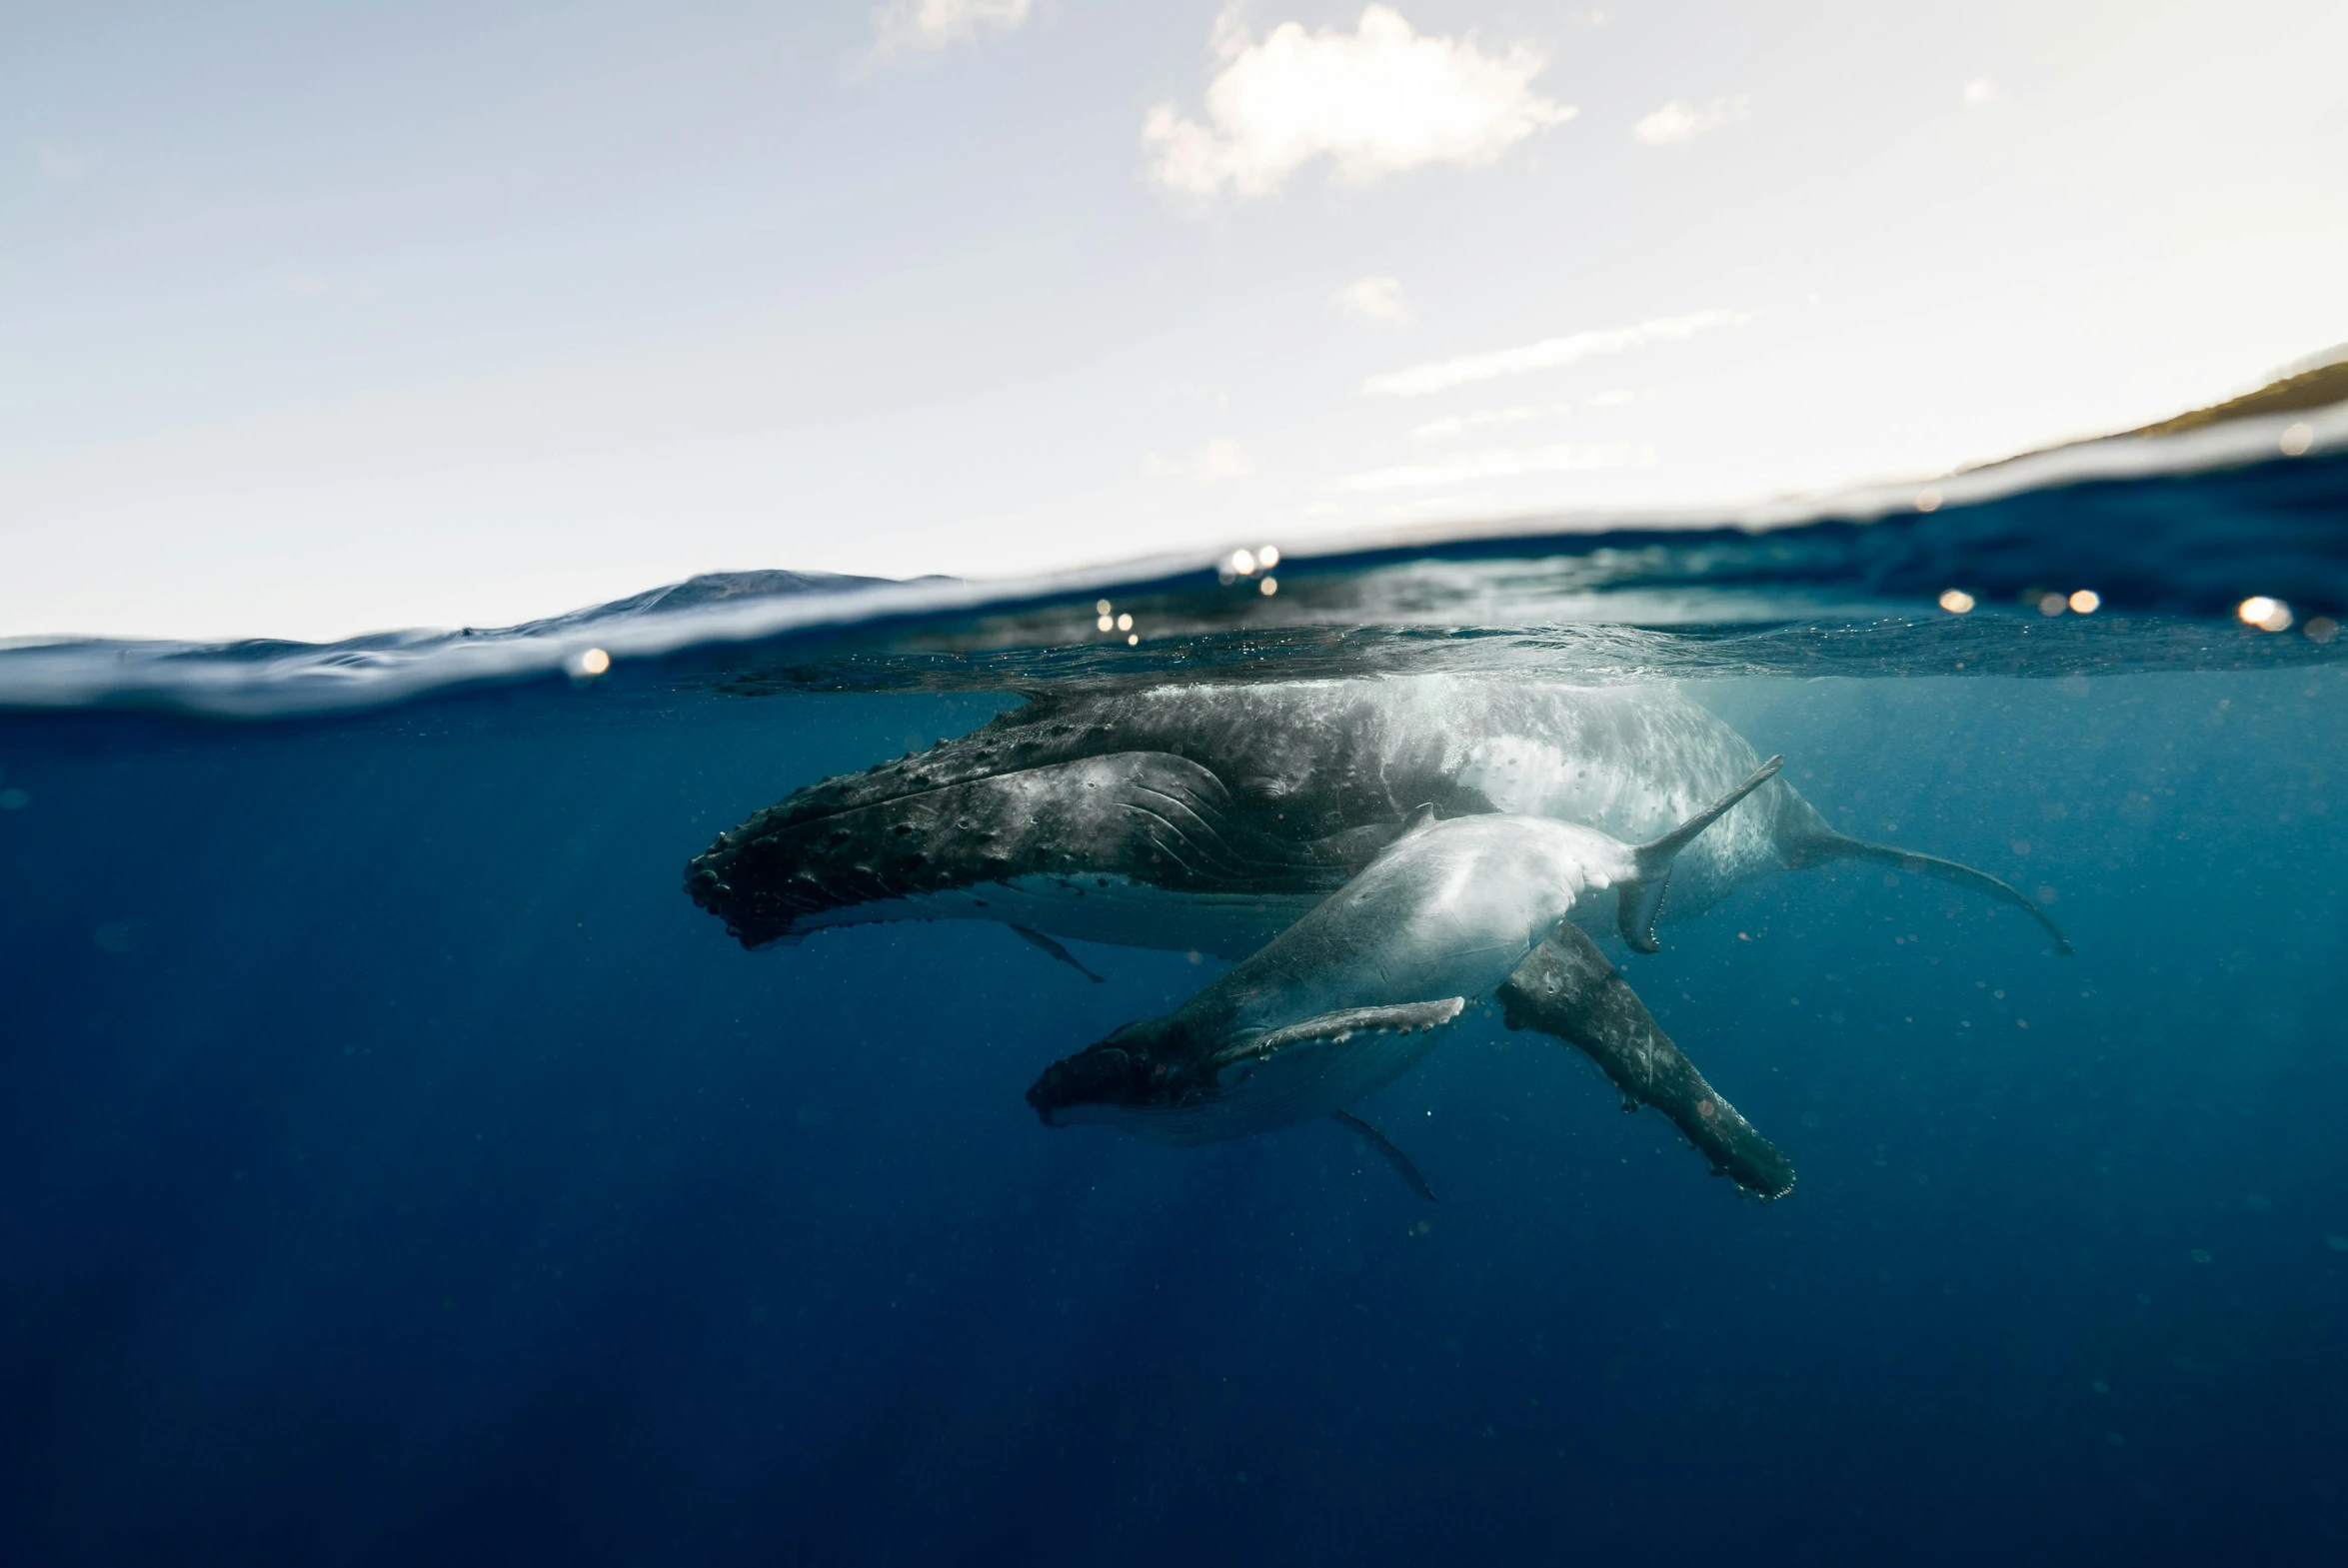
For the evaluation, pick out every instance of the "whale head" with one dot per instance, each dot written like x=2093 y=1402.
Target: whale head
x=1141 y=1069
x=1182 y=1079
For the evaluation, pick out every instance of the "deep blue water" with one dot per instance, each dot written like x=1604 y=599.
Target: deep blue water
x=399 y=1167
x=396 y=1166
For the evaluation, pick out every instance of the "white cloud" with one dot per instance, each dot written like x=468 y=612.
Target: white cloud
x=1503 y=462
x=1459 y=424
x=1680 y=121
x=1378 y=101
x=1981 y=91
x=910 y=26
x=1375 y=298
x=1218 y=459
x=1549 y=354
x=64 y=163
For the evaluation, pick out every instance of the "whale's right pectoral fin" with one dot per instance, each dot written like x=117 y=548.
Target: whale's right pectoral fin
x=1567 y=988
x=1386 y=1146
x=1037 y=939
x=1334 y=1028
x=1825 y=844
x=1642 y=896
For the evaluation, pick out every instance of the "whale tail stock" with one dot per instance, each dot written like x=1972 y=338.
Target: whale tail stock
x=1566 y=987
x=1641 y=897
x=1824 y=844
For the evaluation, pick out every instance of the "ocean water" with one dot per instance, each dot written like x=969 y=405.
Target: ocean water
x=396 y=1166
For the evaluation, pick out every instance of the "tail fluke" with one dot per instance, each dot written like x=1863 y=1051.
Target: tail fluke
x=1827 y=844
x=1641 y=897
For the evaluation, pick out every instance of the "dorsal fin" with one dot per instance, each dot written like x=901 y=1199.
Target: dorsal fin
x=1421 y=817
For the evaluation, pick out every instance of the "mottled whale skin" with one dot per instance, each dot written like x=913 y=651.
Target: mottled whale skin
x=1351 y=995
x=1208 y=815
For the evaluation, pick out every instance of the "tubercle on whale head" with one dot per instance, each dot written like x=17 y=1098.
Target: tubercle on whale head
x=1139 y=1065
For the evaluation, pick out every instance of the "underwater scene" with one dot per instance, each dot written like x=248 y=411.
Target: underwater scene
x=1814 y=1038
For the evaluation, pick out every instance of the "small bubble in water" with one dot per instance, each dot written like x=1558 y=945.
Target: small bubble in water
x=2201 y=1255
x=2337 y=1243
x=2052 y=604
x=15 y=799
x=2297 y=438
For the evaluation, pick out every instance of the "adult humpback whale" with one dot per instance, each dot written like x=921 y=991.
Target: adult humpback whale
x=1210 y=815
x=1348 y=998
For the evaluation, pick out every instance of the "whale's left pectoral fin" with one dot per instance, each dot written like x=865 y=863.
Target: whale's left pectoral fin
x=1334 y=1028
x=1386 y=1146
x=1567 y=988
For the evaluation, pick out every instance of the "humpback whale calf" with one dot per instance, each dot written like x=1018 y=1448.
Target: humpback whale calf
x=1208 y=815
x=1348 y=997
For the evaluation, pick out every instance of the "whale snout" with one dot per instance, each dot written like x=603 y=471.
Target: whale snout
x=1101 y=1074
x=1140 y=1066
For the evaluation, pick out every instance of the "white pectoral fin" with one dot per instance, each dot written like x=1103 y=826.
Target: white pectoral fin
x=1650 y=859
x=1332 y=1029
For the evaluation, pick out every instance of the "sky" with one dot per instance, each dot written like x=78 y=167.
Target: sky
x=319 y=319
